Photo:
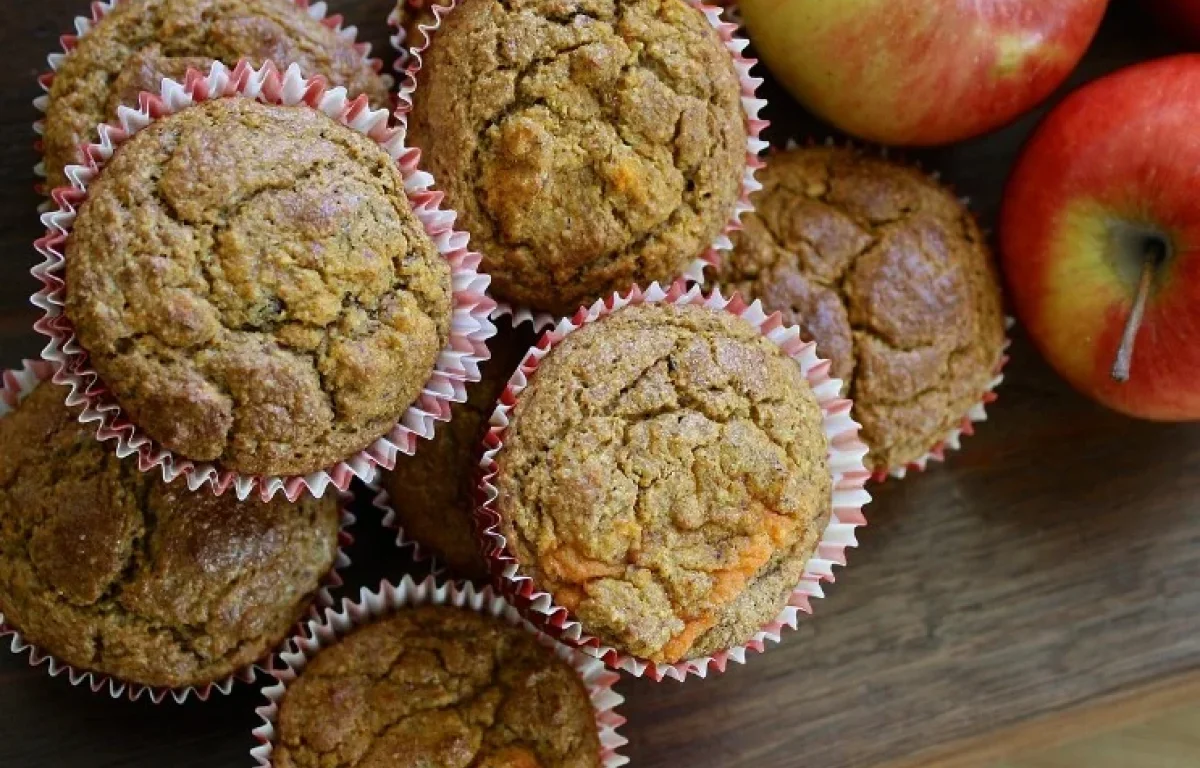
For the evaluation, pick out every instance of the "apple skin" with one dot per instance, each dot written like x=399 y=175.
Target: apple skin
x=921 y=72
x=1181 y=17
x=1119 y=156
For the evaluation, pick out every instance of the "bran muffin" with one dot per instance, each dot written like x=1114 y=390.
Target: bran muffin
x=110 y=570
x=891 y=276
x=587 y=145
x=254 y=288
x=440 y=686
x=139 y=42
x=432 y=491
x=665 y=477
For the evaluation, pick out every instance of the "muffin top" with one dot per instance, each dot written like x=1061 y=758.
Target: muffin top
x=587 y=144
x=665 y=477
x=108 y=569
x=140 y=41
x=891 y=276
x=432 y=491
x=254 y=288
x=437 y=686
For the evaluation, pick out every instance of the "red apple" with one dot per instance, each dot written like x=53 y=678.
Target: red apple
x=1104 y=206
x=921 y=72
x=1179 y=16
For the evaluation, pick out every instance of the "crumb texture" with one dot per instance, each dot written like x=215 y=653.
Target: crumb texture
x=110 y=570
x=432 y=491
x=889 y=273
x=141 y=41
x=665 y=477
x=587 y=145
x=437 y=686
x=254 y=288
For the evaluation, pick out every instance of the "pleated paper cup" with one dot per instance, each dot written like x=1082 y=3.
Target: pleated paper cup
x=411 y=50
x=15 y=386
x=381 y=500
x=457 y=365
x=101 y=8
x=392 y=598
x=846 y=453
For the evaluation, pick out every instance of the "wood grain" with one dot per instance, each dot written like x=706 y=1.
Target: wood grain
x=1053 y=562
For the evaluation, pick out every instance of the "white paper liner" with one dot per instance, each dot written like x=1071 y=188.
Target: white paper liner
x=100 y=9
x=846 y=453
x=389 y=599
x=382 y=501
x=457 y=364
x=15 y=386
x=408 y=65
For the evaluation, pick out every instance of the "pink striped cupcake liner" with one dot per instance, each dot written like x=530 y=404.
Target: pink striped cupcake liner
x=101 y=8
x=457 y=365
x=393 y=597
x=846 y=453
x=381 y=500
x=409 y=65
x=15 y=386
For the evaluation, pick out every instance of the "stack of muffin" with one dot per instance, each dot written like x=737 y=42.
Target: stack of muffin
x=250 y=285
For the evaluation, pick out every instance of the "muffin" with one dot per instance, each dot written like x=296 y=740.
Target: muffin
x=435 y=685
x=138 y=42
x=432 y=492
x=665 y=477
x=587 y=145
x=254 y=289
x=891 y=276
x=111 y=571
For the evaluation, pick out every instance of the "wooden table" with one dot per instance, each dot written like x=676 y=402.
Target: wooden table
x=1043 y=583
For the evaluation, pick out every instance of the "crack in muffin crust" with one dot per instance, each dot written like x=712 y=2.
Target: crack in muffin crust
x=891 y=276
x=665 y=478
x=252 y=285
x=437 y=686
x=139 y=42
x=109 y=570
x=588 y=144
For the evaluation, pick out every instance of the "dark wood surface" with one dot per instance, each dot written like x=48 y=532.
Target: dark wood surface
x=1053 y=562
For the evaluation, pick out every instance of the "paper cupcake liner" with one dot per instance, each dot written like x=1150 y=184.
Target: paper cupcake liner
x=15 y=386
x=389 y=599
x=409 y=65
x=457 y=364
x=100 y=9
x=381 y=500
x=952 y=441
x=846 y=453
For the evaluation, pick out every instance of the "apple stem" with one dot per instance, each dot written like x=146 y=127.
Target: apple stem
x=1124 y=361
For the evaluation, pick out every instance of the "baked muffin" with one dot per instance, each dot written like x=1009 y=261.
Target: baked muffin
x=139 y=42
x=891 y=276
x=587 y=145
x=665 y=478
x=254 y=288
x=109 y=570
x=432 y=491
x=437 y=686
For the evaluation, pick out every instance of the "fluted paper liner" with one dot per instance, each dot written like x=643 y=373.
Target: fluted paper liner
x=846 y=453
x=15 y=386
x=84 y=25
x=391 y=598
x=457 y=364
x=409 y=65
x=381 y=500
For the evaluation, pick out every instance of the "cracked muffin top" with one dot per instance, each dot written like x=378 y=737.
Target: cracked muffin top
x=108 y=569
x=141 y=41
x=665 y=477
x=587 y=145
x=891 y=276
x=254 y=288
x=432 y=491
x=437 y=686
